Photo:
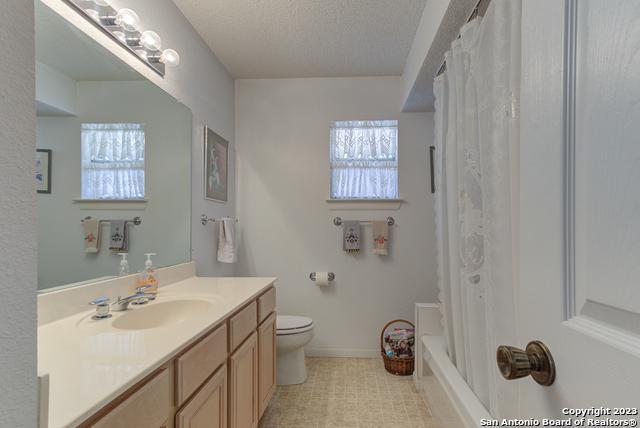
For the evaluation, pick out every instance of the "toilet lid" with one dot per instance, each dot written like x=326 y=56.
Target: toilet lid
x=290 y=324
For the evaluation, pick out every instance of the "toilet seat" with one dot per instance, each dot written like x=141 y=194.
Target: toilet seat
x=291 y=324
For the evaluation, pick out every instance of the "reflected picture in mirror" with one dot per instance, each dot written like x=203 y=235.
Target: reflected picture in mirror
x=123 y=151
x=43 y=171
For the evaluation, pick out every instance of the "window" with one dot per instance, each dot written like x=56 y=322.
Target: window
x=112 y=161
x=364 y=159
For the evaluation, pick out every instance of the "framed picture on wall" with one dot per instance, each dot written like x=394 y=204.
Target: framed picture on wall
x=43 y=170
x=216 y=166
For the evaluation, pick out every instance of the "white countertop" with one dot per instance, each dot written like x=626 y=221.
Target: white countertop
x=90 y=362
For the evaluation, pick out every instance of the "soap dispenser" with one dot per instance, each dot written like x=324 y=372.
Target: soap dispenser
x=148 y=278
x=124 y=264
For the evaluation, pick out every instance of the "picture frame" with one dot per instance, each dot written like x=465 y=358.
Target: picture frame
x=216 y=166
x=43 y=170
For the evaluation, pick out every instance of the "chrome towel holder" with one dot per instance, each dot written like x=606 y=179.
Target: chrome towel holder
x=137 y=221
x=337 y=221
x=204 y=219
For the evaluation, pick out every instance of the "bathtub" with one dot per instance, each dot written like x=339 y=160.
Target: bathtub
x=449 y=398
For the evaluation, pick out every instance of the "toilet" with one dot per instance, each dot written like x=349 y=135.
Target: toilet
x=293 y=333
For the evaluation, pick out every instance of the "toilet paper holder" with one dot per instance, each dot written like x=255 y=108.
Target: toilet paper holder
x=312 y=276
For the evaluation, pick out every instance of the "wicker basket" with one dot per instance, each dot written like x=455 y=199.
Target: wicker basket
x=395 y=365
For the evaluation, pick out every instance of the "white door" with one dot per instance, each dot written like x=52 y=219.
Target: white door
x=579 y=291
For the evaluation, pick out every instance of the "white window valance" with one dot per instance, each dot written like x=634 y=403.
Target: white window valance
x=364 y=159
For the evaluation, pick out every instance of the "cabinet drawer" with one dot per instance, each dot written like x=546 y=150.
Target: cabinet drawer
x=198 y=363
x=242 y=324
x=148 y=407
x=266 y=304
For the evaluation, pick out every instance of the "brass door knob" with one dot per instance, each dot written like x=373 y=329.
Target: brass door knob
x=535 y=360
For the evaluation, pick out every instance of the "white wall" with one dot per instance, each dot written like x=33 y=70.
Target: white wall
x=203 y=84
x=200 y=82
x=18 y=390
x=165 y=228
x=56 y=93
x=282 y=134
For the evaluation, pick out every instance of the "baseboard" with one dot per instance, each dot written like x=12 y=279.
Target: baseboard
x=342 y=352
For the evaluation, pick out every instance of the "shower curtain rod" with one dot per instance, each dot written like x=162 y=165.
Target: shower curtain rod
x=478 y=10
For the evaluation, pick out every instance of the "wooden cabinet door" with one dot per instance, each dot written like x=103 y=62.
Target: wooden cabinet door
x=243 y=385
x=266 y=362
x=208 y=407
x=148 y=407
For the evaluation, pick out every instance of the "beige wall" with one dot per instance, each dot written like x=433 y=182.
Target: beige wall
x=282 y=134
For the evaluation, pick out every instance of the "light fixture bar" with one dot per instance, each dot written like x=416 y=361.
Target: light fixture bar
x=123 y=26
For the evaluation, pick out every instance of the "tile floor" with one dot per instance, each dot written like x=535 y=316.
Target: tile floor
x=345 y=393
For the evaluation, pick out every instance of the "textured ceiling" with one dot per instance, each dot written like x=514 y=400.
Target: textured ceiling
x=307 y=38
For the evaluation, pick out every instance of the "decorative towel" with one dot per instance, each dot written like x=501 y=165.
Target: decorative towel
x=380 y=237
x=227 y=241
x=351 y=236
x=118 y=240
x=91 y=235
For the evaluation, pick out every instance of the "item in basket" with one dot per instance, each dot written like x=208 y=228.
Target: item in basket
x=400 y=341
x=404 y=349
x=388 y=350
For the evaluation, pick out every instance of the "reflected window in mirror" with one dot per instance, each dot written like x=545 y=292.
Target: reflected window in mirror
x=113 y=161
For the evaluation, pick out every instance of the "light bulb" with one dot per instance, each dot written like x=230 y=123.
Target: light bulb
x=170 y=57
x=128 y=19
x=121 y=36
x=150 y=40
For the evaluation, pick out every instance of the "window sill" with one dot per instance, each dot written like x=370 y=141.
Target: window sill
x=112 y=204
x=364 y=204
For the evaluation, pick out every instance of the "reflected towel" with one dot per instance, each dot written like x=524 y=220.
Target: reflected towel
x=351 y=236
x=380 y=237
x=227 y=241
x=118 y=239
x=91 y=229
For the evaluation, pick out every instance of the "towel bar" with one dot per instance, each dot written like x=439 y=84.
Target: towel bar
x=204 y=219
x=136 y=220
x=338 y=221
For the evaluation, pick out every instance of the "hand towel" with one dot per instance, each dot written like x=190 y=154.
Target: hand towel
x=380 y=237
x=91 y=228
x=351 y=236
x=118 y=240
x=227 y=241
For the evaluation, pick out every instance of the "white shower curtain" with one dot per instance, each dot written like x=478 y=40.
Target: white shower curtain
x=476 y=141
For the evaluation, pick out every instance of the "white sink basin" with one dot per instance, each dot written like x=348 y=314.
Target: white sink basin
x=158 y=314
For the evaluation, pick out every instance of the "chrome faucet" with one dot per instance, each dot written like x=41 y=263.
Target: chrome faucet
x=102 y=308
x=139 y=298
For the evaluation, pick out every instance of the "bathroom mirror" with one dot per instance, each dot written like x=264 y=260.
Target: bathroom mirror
x=112 y=147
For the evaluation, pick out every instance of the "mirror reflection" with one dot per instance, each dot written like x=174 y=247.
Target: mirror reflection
x=112 y=166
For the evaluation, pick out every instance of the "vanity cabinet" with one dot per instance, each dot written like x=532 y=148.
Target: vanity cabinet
x=208 y=408
x=243 y=385
x=267 y=336
x=150 y=405
x=224 y=380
